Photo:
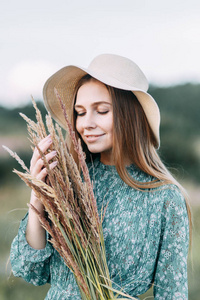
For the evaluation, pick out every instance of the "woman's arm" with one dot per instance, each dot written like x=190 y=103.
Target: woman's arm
x=30 y=264
x=30 y=253
x=170 y=280
x=35 y=233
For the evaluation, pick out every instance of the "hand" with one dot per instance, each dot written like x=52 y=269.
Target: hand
x=37 y=168
x=37 y=163
x=35 y=233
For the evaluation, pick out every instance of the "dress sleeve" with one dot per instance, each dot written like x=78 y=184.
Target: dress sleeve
x=31 y=264
x=170 y=281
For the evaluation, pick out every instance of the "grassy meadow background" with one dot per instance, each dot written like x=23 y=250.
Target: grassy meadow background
x=180 y=150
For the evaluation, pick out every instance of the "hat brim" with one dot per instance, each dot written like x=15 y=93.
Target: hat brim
x=65 y=81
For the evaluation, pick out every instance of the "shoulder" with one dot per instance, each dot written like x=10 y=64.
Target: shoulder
x=174 y=212
x=172 y=197
x=168 y=194
x=168 y=203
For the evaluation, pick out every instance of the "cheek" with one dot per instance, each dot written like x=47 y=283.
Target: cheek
x=78 y=126
x=109 y=125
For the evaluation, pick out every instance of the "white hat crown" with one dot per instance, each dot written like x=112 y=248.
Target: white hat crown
x=121 y=69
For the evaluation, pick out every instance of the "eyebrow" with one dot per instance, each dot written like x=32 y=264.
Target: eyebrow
x=94 y=104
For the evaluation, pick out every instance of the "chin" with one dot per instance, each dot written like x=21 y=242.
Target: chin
x=95 y=151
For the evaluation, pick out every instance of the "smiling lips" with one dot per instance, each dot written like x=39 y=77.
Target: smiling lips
x=92 y=137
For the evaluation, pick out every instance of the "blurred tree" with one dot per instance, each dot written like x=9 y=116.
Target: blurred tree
x=180 y=126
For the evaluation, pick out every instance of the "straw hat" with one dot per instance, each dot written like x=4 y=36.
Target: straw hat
x=111 y=69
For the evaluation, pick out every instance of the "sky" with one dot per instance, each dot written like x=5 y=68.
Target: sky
x=37 y=38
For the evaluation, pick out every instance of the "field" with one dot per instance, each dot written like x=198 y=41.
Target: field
x=180 y=150
x=13 y=201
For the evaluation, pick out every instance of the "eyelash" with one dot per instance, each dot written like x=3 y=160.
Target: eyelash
x=99 y=112
x=103 y=112
x=80 y=114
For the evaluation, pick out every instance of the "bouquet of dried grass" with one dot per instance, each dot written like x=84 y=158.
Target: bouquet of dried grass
x=76 y=229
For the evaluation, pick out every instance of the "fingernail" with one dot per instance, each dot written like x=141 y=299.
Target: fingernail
x=49 y=141
x=54 y=152
x=54 y=163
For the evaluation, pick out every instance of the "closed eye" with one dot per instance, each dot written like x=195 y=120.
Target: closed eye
x=103 y=112
x=80 y=114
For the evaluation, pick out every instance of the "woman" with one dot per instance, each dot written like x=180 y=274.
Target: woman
x=146 y=228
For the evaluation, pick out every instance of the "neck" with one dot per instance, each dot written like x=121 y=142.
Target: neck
x=108 y=160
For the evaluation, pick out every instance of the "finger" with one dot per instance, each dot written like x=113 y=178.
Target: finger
x=53 y=164
x=39 y=165
x=42 y=175
x=50 y=155
x=43 y=146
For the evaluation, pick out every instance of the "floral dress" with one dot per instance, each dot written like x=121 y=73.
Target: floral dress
x=146 y=237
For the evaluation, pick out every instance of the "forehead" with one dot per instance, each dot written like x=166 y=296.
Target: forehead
x=91 y=92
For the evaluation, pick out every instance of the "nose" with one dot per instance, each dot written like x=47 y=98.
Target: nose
x=88 y=121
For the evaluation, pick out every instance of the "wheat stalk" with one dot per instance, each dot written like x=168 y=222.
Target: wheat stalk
x=69 y=201
x=15 y=156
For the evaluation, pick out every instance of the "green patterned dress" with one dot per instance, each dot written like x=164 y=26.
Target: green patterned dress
x=146 y=236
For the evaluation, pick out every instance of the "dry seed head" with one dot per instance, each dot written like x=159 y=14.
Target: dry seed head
x=42 y=131
x=69 y=202
x=30 y=122
x=18 y=159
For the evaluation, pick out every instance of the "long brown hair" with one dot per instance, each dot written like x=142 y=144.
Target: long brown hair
x=132 y=138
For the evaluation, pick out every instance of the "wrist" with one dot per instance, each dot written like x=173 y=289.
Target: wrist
x=36 y=202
